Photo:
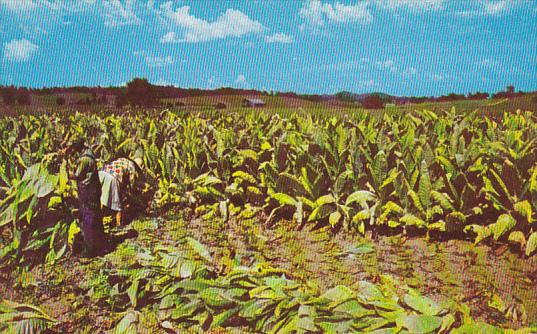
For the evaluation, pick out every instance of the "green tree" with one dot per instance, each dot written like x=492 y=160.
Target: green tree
x=23 y=97
x=121 y=99
x=9 y=95
x=141 y=93
x=60 y=101
x=373 y=102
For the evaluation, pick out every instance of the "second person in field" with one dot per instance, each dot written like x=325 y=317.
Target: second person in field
x=119 y=179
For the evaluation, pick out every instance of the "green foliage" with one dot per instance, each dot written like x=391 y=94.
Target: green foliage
x=267 y=300
x=36 y=197
x=23 y=319
x=436 y=171
x=532 y=244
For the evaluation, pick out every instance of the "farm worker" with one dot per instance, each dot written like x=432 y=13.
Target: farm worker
x=118 y=179
x=89 y=193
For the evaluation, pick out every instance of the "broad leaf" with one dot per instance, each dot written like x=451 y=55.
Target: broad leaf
x=422 y=304
x=199 y=249
x=531 y=246
x=505 y=223
x=361 y=196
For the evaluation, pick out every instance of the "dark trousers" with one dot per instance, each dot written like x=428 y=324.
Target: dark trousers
x=91 y=219
x=91 y=225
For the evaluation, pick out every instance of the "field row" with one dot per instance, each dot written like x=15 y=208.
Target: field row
x=447 y=174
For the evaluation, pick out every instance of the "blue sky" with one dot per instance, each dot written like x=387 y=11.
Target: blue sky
x=402 y=47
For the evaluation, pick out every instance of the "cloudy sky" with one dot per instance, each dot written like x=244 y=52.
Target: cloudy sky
x=402 y=47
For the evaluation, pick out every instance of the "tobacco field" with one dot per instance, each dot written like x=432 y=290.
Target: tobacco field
x=229 y=192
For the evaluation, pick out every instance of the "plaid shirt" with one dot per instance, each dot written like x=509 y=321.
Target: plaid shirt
x=123 y=169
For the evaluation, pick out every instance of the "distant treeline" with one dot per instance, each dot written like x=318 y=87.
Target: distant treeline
x=378 y=100
x=509 y=92
x=139 y=92
x=20 y=95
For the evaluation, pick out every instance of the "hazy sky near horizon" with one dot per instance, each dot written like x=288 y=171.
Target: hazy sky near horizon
x=402 y=47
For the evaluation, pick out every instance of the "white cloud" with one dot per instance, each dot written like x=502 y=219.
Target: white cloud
x=19 y=50
x=367 y=83
x=496 y=7
x=155 y=61
x=436 y=77
x=312 y=13
x=38 y=17
x=163 y=82
x=393 y=67
x=488 y=63
x=490 y=8
x=18 y=5
x=232 y=23
x=241 y=79
x=170 y=37
x=384 y=65
x=348 y=65
x=410 y=71
x=213 y=82
x=279 y=38
x=53 y=5
x=117 y=13
x=341 y=13
x=415 y=5
x=315 y=14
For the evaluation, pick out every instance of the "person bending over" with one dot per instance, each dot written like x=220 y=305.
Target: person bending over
x=118 y=179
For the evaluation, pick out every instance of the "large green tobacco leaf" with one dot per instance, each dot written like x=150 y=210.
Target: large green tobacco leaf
x=128 y=324
x=425 y=186
x=412 y=220
x=334 y=218
x=443 y=199
x=284 y=199
x=23 y=318
x=482 y=232
x=200 y=249
x=504 y=224
x=422 y=304
x=420 y=324
x=360 y=197
x=525 y=209
x=531 y=245
x=518 y=237
x=321 y=212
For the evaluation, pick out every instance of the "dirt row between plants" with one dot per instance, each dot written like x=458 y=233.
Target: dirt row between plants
x=454 y=269
x=483 y=278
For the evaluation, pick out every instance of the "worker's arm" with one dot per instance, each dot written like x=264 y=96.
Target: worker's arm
x=118 y=218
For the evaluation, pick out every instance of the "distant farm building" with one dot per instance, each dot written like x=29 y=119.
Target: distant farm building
x=253 y=103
